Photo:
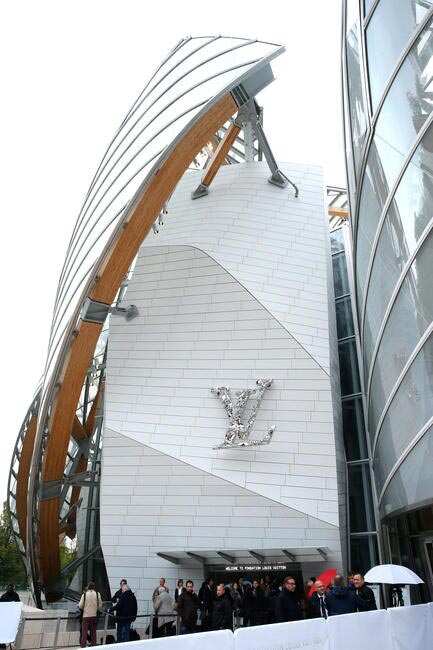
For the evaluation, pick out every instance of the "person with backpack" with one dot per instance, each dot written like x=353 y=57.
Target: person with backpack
x=90 y=604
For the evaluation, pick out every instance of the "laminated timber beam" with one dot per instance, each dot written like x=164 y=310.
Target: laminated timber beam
x=110 y=273
x=23 y=476
x=217 y=160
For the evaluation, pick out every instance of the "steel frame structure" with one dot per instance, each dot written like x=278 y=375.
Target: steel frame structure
x=168 y=129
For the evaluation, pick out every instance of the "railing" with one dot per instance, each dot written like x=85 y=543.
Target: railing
x=37 y=632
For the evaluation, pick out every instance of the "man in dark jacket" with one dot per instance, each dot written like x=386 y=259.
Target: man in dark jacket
x=317 y=606
x=206 y=597
x=187 y=606
x=10 y=595
x=366 y=599
x=341 y=599
x=126 y=613
x=287 y=606
x=222 y=613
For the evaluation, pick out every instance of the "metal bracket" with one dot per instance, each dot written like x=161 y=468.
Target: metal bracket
x=53 y=489
x=225 y=556
x=250 y=113
x=322 y=553
x=289 y=555
x=129 y=312
x=201 y=190
x=94 y=311
x=169 y=558
x=257 y=556
x=197 y=558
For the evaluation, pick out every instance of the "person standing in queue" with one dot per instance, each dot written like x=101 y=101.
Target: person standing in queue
x=288 y=607
x=206 y=597
x=365 y=595
x=222 y=612
x=317 y=605
x=126 y=613
x=341 y=599
x=179 y=589
x=90 y=604
x=10 y=595
x=188 y=605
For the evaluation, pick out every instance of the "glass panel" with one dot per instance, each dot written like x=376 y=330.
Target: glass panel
x=337 y=243
x=413 y=481
x=197 y=71
x=407 y=217
x=363 y=553
x=403 y=114
x=357 y=115
x=353 y=429
x=367 y=6
x=388 y=32
x=410 y=409
x=343 y=310
x=360 y=499
x=341 y=280
x=409 y=318
x=348 y=367
x=374 y=193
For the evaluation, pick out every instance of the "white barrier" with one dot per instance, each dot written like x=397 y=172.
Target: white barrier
x=366 y=630
x=308 y=635
x=221 y=640
x=402 y=628
x=410 y=627
x=10 y=615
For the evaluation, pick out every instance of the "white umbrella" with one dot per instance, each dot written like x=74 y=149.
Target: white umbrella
x=392 y=574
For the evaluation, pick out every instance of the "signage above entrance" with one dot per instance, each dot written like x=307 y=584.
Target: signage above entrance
x=256 y=567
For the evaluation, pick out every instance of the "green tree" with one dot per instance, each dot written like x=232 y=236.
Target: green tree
x=11 y=565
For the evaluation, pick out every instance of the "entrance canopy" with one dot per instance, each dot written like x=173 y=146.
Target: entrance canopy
x=254 y=559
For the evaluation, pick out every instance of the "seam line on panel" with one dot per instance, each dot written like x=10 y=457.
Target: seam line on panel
x=384 y=214
x=370 y=137
x=413 y=443
x=428 y=229
x=213 y=475
x=399 y=381
x=221 y=265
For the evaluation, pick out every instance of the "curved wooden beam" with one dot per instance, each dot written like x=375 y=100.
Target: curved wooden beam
x=23 y=476
x=111 y=273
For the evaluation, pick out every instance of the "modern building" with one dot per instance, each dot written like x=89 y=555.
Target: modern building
x=216 y=398
x=387 y=77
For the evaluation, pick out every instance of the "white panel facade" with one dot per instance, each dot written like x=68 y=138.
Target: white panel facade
x=151 y=502
x=232 y=289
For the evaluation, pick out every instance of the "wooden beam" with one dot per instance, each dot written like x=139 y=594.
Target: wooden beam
x=220 y=154
x=23 y=476
x=338 y=212
x=109 y=274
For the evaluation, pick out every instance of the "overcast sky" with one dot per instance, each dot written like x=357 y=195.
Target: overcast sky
x=70 y=70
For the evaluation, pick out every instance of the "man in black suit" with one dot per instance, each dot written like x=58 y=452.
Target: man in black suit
x=317 y=606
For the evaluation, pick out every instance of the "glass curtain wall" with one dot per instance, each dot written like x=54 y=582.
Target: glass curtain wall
x=363 y=551
x=392 y=207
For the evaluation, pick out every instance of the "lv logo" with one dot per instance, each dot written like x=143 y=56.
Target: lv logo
x=241 y=425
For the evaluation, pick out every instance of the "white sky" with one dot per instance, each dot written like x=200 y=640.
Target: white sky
x=70 y=70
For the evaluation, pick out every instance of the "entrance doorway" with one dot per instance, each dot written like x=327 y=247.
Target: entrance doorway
x=428 y=548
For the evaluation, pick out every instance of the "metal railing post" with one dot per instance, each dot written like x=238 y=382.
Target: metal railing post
x=56 y=634
x=150 y=626
x=104 y=633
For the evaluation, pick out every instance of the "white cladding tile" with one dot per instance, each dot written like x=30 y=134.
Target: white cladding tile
x=185 y=509
x=209 y=318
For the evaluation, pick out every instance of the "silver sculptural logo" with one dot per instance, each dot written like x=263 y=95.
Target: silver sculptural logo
x=237 y=435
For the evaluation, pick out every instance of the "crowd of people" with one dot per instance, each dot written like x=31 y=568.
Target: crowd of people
x=226 y=606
